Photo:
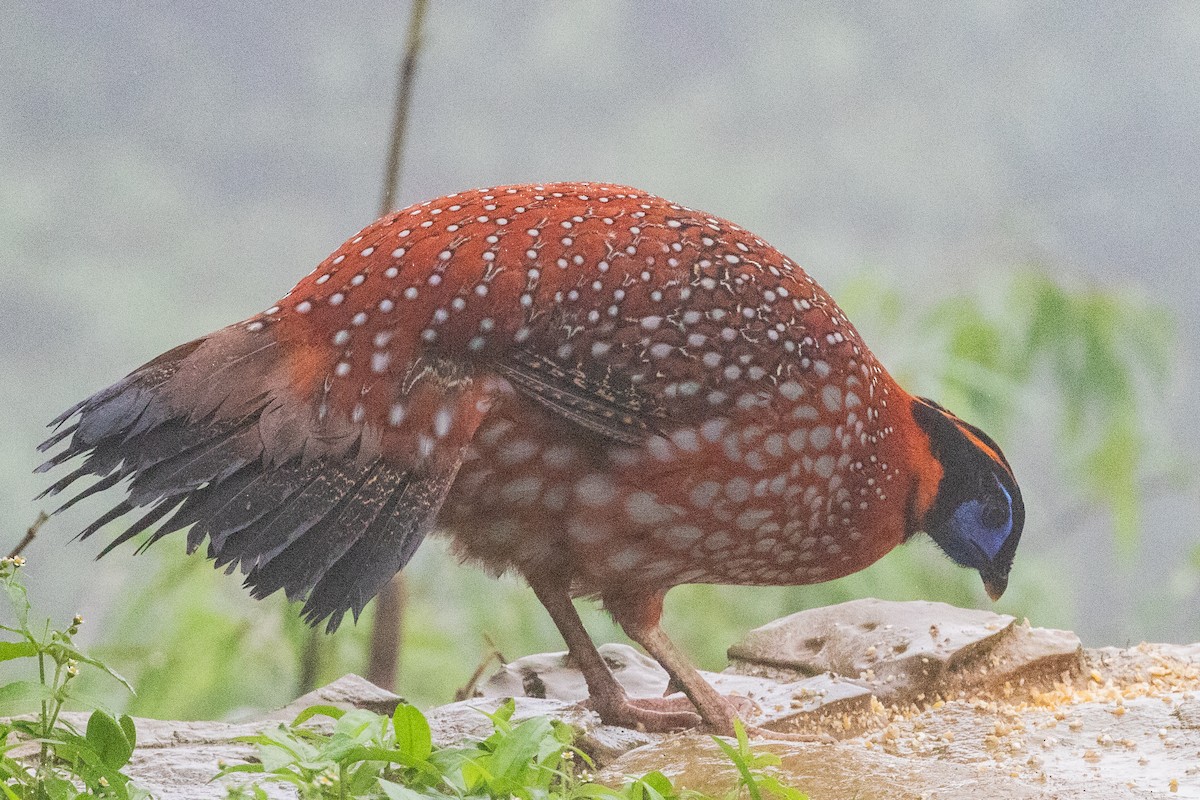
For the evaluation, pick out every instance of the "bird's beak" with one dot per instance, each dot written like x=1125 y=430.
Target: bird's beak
x=995 y=580
x=995 y=585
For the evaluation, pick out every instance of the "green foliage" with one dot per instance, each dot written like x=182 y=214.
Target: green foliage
x=375 y=758
x=751 y=767
x=64 y=758
x=1084 y=366
x=367 y=755
x=1107 y=354
x=196 y=646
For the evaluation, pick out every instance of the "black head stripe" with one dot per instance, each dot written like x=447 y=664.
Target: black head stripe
x=966 y=426
x=957 y=446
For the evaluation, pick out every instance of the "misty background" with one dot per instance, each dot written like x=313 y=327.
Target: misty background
x=166 y=169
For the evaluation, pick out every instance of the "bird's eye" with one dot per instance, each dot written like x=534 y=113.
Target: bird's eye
x=994 y=516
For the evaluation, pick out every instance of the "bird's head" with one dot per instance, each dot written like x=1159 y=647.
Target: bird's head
x=976 y=513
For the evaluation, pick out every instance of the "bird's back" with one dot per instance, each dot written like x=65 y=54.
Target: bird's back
x=670 y=398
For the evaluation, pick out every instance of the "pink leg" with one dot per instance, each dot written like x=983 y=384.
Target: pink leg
x=639 y=617
x=608 y=698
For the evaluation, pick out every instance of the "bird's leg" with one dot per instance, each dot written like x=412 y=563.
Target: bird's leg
x=607 y=696
x=639 y=617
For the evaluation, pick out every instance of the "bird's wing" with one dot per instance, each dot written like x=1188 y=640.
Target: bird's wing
x=593 y=401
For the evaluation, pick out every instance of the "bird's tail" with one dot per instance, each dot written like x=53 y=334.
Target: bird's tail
x=227 y=435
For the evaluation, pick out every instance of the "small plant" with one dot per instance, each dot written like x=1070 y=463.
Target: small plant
x=61 y=760
x=373 y=757
x=751 y=767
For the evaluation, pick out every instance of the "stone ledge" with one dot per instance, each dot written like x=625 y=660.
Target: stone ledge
x=924 y=701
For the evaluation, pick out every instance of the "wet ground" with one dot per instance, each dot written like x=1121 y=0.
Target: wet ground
x=1128 y=725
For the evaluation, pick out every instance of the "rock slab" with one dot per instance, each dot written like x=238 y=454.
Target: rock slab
x=917 y=700
x=906 y=652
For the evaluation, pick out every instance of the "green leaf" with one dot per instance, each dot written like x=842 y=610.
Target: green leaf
x=359 y=779
x=395 y=791
x=138 y=793
x=563 y=732
x=475 y=774
x=275 y=758
x=742 y=739
x=109 y=739
x=502 y=715
x=18 y=599
x=290 y=740
x=21 y=696
x=412 y=732
x=11 y=650
x=356 y=754
x=659 y=782
x=79 y=656
x=56 y=788
x=358 y=721
x=255 y=767
x=735 y=755
x=516 y=750
x=333 y=712
x=780 y=790
x=645 y=789
x=129 y=728
x=765 y=760
x=598 y=790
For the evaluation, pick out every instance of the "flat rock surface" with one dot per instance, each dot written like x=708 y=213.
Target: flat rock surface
x=823 y=771
x=179 y=759
x=908 y=651
x=1104 y=739
x=911 y=700
x=776 y=703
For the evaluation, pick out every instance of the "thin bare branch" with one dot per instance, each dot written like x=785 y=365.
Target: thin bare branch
x=404 y=86
x=387 y=630
x=468 y=691
x=30 y=534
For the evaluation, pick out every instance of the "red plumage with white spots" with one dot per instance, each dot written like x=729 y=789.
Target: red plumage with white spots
x=607 y=392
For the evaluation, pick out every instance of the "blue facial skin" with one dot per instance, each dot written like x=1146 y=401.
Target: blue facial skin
x=969 y=522
x=975 y=534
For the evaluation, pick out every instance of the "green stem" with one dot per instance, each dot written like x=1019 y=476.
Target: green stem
x=57 y=702
x=45 y=710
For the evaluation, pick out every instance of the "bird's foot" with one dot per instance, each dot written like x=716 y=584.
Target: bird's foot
x=729 y=709
x=672 y=713
x=765 y=733
x=649 y=714
x=722 y=723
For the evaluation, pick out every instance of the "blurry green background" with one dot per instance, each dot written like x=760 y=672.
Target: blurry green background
x=1004 y=195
